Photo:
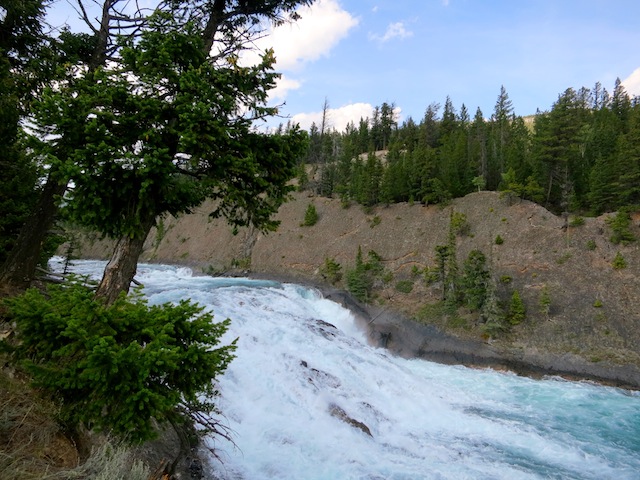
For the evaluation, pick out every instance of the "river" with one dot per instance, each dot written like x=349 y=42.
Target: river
x=309 y=398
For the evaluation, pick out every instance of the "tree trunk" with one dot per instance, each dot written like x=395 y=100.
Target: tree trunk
x=122 y=267
x=19 y=268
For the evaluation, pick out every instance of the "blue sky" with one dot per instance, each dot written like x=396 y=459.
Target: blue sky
x=357 y=54
x=360 y=53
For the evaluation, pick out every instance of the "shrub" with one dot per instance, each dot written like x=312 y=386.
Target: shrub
x=117 y=368
x=431 y=275
x=591 y=244
x=576 y=221
x=620 y=225
x=310 y=216
x=375 y=221
x=499 y=240
x=619 y=262
x=331 y=270
x=404 y=286
x=459 y=224
x=545 y=301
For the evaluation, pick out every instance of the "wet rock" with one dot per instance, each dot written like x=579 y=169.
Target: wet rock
x=340 y=414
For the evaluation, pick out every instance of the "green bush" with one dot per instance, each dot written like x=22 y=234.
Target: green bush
x=404 y=286
x=375 y=221
x=576 y=221
x=619 y=262
x=620 y=225
x=499 y=240
x=459 y=224
x=117 y=368
x=331 y=270
x=310 y=216
x=545 y=301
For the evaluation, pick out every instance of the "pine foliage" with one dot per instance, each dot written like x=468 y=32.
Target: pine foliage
x=581 y=155
x=121 y=367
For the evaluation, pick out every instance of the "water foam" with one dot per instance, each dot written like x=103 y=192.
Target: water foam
x=301 y=359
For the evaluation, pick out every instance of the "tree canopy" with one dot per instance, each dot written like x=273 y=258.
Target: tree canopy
x=580 y=156
x=151 y=115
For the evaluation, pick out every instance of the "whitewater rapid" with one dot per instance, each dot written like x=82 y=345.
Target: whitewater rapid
x=308 y=398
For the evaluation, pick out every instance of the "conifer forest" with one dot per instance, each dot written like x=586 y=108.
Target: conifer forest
x=581 y=156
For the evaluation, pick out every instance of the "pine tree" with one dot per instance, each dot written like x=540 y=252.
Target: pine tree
x=310 y=216
x=545 y=302
x=358 y=282
x=475 y=279
x=627 y=166
x=517 y=311
x=499 y=138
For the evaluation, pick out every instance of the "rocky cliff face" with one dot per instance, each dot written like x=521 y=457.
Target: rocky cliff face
x=591 y=329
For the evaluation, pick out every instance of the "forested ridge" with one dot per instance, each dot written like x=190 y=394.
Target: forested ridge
x=581 y=156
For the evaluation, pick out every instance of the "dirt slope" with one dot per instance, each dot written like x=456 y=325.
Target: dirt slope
x=591 y=331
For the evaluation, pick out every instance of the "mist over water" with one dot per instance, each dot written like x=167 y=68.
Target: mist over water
x=308 y=398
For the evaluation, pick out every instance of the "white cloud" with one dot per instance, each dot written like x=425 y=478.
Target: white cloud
x=321 y=27
x=632 y=83
x=283 y=86
x=338 y=118
x=394 y=30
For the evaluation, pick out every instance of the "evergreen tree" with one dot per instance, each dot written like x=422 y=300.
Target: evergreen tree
x=556 y=148
x=310 y=216
x=499 y=137
x=492 y=313
x=429 y=127
x=358 y=282
x=168 y=123
x=478 y=147
x=517 y=311
x=21 y=42
x=475 y=279
x=627 y=184
x=27 y=62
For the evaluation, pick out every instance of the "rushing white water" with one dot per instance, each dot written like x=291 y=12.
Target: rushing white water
x=301 y=359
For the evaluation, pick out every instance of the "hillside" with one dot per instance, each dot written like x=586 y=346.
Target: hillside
x=591 y=330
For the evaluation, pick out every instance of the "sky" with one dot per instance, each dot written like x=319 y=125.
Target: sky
x=356 y=54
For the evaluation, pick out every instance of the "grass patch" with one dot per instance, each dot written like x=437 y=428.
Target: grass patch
x=457 y=321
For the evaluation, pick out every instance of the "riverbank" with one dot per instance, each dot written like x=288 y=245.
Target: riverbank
x=409 y=339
